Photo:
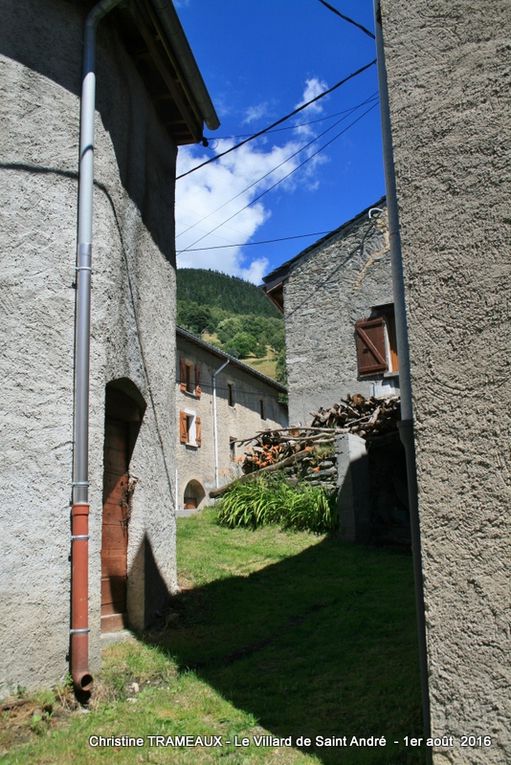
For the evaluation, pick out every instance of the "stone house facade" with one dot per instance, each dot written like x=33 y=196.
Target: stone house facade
x=336 y=297
x=235 y=403
x=149 y=99
x=448 y=74
x=337 y=300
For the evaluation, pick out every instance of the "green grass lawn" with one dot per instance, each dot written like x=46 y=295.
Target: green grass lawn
x=282 y=634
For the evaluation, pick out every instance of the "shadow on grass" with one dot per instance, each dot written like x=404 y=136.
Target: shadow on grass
x=319 y=644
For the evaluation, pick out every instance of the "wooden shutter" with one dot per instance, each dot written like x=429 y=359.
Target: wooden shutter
x=183 y=428
x=182 y=374
x=198 y=431
x=198 y=390
x=370 y=342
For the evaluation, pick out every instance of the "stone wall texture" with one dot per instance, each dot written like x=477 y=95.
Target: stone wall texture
x=243 y=420
x=333 y=285
x=449 y=78
x=133 y=320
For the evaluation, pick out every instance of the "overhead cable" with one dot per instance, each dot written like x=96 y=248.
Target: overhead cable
x=270 y=188
x=283 y=162
x=250 y=244
x=279 y=121
x=288 y=127
x=347 y=18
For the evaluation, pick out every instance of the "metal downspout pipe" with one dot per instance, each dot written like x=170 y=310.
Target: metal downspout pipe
x=406 y=424
x=215 y=424
x=79 y=630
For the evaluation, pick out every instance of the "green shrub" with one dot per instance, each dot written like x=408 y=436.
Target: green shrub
x=270 y=500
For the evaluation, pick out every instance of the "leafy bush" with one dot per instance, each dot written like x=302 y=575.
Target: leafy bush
x=270 y=500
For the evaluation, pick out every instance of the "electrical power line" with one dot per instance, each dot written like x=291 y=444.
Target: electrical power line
x=279 y=121
x=283 y=162
x=251 y=244
x=266 y=191
x=347 y=18
x=288 y=127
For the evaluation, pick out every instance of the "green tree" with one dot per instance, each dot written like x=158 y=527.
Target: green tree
x=194 y=317
x=243 y=344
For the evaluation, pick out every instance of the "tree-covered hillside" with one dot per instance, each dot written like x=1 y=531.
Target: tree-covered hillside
x=234 y=315
x=234 y=295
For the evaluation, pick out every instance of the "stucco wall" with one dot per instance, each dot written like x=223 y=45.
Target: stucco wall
x=242 y=420
x=133 y=232
x=450 y=100
x=326 y=292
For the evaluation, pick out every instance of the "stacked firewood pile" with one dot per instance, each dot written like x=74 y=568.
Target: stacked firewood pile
x=365 y=417
x=275 y=446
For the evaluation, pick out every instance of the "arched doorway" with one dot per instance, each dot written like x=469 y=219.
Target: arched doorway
x=124 y=409
x=193 y=495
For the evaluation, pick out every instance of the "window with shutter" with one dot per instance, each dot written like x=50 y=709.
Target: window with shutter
x=370 y=344
x=183 y=427
x=197 y=390
x=182 y=374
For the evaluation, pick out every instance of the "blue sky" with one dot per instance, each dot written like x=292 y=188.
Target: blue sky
x=259 y=61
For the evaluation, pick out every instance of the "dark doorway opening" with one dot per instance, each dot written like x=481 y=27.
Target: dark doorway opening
x=124 y=409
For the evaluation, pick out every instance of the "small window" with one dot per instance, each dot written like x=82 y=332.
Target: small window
x=376 y=343
x=189 y=385
x=190 y=430
x=261 y=408
x=230 y=393
x=189 y=377
x=232 y=448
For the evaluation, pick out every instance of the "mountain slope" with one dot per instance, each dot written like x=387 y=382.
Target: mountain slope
x=213 y=288
x=234 y=315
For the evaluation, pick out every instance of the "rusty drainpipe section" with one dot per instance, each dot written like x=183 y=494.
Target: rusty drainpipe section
x=79 y=630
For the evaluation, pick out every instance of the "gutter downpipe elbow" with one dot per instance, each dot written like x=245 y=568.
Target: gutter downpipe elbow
x=406 y=428
x=215 y=424
x=79 y=629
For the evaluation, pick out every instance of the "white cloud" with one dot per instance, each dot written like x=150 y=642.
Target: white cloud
x=255 y=113
x=200 y=194
x=313 y=87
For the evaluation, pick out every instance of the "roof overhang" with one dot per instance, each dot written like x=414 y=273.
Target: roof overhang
x=275 y=280
x=186 y=335
x=154 y=38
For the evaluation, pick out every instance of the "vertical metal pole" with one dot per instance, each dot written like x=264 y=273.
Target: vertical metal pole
x=215 y=424
x=406 y=424
x=79 y=630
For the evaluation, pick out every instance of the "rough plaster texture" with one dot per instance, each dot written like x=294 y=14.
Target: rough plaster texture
x=242 y=420
x=353 y=488
x=132 y=311
x=333 y=285
x=449 y=75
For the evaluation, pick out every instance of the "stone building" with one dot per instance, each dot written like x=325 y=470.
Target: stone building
x=336 y=296
x=448 y=74
x=150 y=98
x=220 y=400
x=337 y=301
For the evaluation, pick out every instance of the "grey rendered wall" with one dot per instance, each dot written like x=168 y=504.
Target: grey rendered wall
x=332 y=287
x=135 y=167
x=450 y=100
x=242 y=420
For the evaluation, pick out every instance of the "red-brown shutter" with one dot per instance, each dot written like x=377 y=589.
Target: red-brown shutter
x=198 y=390
x=198 y=431
x=182 y=374
x=370 y=342
x=183 y=428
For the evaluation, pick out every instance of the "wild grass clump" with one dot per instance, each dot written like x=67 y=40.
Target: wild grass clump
x=271 y=501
